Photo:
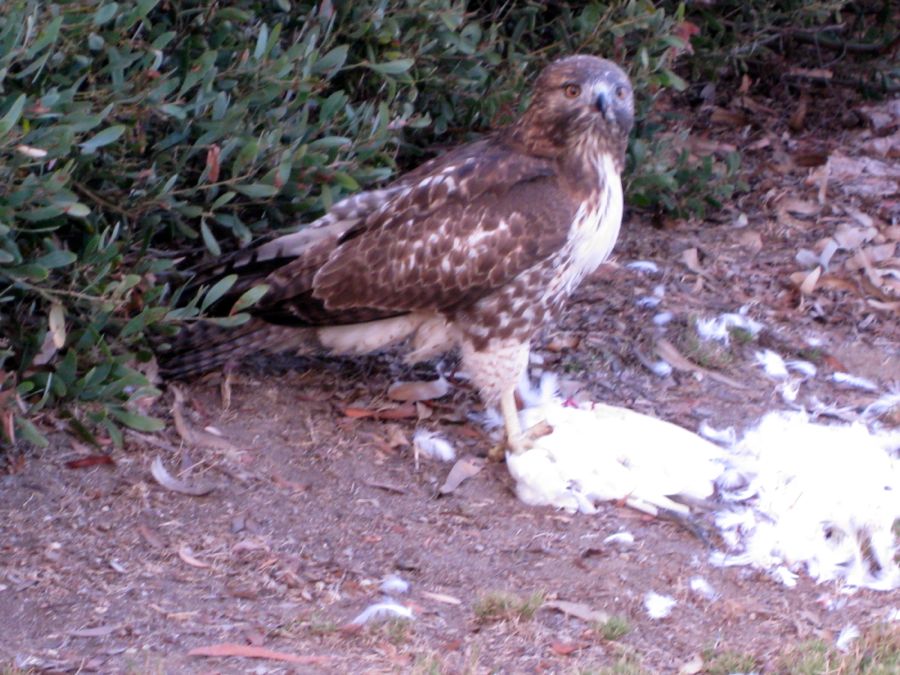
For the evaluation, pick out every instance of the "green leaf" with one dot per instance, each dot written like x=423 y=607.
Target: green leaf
x=47 y=37
x=33 y=272
x=329 y=142
x=143 y=8
x=332 y=61
x=256 y=190
x=250 y=298
x=105 y=137
x=136 y=421
x=670 y=79
x=105 y=13
x=30 y=433
x=209 y=239
x=222 y=200
x=8 y=121
x=42 y=213
x=220 y=288
x=230 y=321
x=345 y=180
x=57 y=258
x=261 y=41
x=175 y=111
x=396 y=67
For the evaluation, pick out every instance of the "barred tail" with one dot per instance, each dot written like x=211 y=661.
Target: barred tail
x=203 y=347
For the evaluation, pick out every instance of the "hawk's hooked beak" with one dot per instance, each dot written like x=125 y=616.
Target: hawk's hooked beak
x=603 y=101
x=614 y=109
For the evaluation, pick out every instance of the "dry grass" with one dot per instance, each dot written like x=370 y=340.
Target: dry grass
x=505 y=606
x=876 y=652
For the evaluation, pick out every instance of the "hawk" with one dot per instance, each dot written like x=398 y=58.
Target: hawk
x=475 y=250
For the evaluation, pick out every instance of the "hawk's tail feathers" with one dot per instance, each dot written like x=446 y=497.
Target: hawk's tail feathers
x=202 y=347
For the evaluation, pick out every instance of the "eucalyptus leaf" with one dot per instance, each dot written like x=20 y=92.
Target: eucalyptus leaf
x=396 y=67
x=105 y=137
x=256 y=190
x=8 y=121
x=136 y=421
x=249 y=298
x=220 y=288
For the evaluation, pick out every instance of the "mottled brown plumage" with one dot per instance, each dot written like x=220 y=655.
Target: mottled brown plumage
x=476 y=249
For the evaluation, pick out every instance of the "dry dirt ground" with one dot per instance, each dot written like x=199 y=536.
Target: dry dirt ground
x=104 y=570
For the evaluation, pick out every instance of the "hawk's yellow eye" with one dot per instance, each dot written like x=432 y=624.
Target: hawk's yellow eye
x=572 y=91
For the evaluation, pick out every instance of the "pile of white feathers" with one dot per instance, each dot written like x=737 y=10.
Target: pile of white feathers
x=791 y=495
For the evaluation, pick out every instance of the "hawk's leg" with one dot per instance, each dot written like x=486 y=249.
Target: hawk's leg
x=496 y=370
x=516 y=441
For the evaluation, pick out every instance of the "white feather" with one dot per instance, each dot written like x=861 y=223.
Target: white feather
x=385 y=609
x=854 y=381
x=703 y=588
x=647 y=266
x=648 y=301
x=720 y=327
x=849 y=634
x=824 y=499
x=663 y=318
x=661 y=368
x=393 y=585
x=772 y=363
x=803 y=367
x=621 y=538
x=433 y=445
x=658 y=606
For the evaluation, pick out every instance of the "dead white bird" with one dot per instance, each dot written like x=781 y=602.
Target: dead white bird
x=598 y=452
x=804 y=496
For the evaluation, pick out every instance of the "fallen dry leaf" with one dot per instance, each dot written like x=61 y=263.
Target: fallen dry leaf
x=725 y=116
x=187 y=556
x=168 y=481
x=566 y=648
x=251 y=652
x=387 y=487
x=809 y=281
x=89 y=461
x=800 y=207
x=751 y=240
x=191 y=436
x=398 y=413
x=150 y=536
x=465 y=468
x=692 y=666
x=811 y=73
x=441 y=597
x=668 y=352
x=56 y=323
x=425 y=390
x=578 y=610
x=47 y=351
x=691 y=258
x=395 y=437
x=97 y=631
x=851 y=238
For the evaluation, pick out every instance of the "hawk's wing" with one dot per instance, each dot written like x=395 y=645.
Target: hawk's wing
x=457 y=229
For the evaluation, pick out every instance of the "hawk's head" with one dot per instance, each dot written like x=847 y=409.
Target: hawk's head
x=578 y=100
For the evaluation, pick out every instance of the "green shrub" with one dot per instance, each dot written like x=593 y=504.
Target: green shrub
x=134 y=133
